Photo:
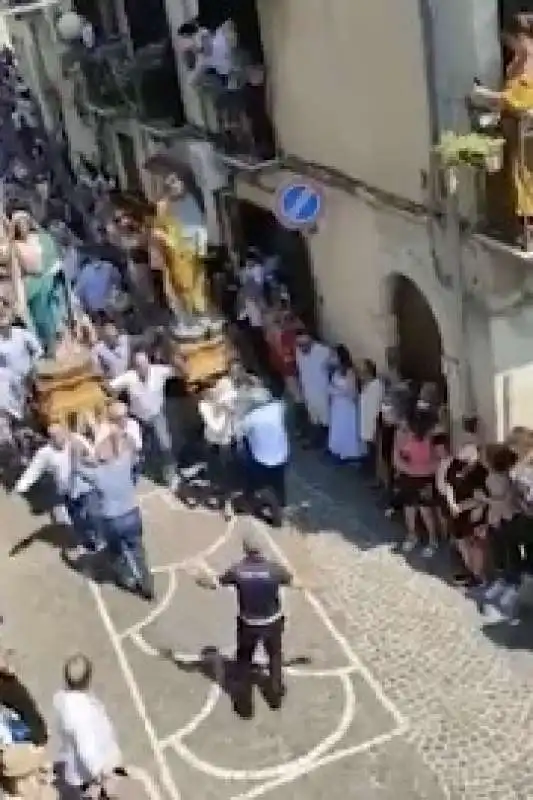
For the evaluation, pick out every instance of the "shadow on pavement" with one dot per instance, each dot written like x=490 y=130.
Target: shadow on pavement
x=58 y=536
x=224 y=671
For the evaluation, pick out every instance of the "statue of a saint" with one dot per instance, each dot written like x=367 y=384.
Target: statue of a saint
x=40 y=293
x=179 y=255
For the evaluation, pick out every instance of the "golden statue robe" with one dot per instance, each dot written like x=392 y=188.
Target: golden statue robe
x=184 y=273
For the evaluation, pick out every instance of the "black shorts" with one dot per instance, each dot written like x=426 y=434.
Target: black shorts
x=416 y=491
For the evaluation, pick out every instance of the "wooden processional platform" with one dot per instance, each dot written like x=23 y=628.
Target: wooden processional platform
x=67 y=388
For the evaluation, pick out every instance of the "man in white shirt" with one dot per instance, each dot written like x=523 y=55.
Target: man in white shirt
x=13 y=397
x=145 y=386
x=313 y=362
x=217 y=410
x=20 y=348
x=264 y=431
x=90 y=753
x=61 y=458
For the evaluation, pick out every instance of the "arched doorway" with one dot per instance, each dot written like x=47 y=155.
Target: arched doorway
x=418 y=338
x=260 y=228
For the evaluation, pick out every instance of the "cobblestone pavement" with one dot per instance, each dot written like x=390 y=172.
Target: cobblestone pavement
x=395 y=689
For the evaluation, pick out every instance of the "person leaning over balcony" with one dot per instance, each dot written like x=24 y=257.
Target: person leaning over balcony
x=514 y=99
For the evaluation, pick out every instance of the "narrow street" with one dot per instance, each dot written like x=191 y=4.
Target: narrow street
x=394 y=689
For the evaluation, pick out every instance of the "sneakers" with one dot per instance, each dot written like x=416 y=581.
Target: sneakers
x=494 y=591
x=174 y=484
x=429 y=551
x=509 y=599
x=408 y=546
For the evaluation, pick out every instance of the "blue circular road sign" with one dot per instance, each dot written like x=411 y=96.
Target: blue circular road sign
x=299 y=205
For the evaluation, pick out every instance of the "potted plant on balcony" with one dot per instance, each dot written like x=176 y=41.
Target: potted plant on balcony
x=473 y=149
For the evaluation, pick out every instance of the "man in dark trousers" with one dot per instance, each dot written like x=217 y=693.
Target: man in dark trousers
x=260 y=618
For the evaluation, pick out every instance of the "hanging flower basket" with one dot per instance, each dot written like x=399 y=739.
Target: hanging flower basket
x=473 y=149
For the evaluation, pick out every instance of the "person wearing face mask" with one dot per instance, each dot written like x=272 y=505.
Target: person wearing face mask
x=145 y=386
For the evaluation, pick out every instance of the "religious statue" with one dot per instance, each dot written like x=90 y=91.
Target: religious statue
x=40 y=293
x=180 y=257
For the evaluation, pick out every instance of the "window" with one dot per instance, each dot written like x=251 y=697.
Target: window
x=147 y=21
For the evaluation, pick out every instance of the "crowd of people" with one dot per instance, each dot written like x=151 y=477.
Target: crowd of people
x=471 y=501
x=286 y=390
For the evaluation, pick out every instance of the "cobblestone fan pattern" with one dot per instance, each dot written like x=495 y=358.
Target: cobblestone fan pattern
x=470 y=714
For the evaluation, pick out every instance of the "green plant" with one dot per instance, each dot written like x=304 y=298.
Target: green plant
x=472 y=149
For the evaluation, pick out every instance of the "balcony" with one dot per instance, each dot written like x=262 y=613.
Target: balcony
x=142 y=85
x=233 y=97
x=105 y=77
x=502 y=196
x=20 y=7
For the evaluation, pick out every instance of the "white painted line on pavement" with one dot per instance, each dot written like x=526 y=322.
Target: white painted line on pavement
x=160 y=608
x=274 y=776
x=142 y=777
x=334 y=632
x=330 y=758
x=301 y=763
x=136 y=697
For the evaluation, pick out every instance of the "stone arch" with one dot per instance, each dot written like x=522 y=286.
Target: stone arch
x=416 y=339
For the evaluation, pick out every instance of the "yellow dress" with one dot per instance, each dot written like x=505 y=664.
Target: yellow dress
x=517 y=98
x=184 y=273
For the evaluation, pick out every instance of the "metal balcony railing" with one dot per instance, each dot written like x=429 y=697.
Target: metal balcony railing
x=237 y=116
x=142 y=84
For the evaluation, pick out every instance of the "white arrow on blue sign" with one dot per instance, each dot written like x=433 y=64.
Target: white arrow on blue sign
x=299 y=205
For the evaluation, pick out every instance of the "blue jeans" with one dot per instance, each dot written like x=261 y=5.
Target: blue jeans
x=124 y=543
x=83 y=513
x=157 y=442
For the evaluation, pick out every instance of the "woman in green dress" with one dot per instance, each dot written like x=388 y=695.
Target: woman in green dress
x=39 y=286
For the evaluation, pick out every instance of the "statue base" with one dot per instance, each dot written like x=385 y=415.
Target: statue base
x=205 y=360
x=68 y=389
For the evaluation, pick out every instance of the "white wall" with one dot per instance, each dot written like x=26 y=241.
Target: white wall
x=348 y=85
x=466 y=46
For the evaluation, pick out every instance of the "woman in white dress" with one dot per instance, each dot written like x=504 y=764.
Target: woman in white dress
x=344 y=440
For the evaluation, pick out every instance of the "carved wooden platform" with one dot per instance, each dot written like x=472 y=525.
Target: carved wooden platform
x=205 y=360
x=67 y=388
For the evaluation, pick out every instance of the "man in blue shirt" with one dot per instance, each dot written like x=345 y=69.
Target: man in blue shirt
x=95 y=285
